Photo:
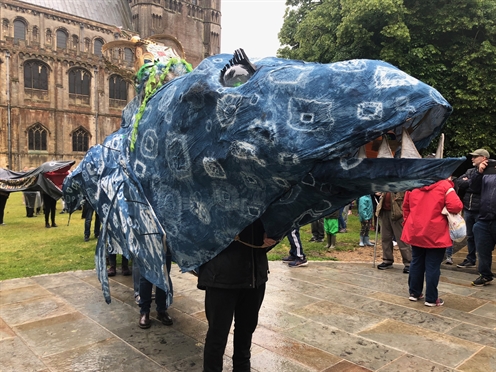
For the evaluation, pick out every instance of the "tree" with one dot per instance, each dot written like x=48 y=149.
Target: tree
x=450 y=45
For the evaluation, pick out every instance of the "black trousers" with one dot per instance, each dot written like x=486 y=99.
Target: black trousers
x=49 y=205
x=221 y=305
x=3 y=202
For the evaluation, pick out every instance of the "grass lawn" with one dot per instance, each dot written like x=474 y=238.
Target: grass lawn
x=27 y=248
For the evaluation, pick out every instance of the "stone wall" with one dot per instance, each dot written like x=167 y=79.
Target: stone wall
x=195 y=23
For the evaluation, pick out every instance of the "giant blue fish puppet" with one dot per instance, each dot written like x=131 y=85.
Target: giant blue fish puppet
x=206 y=154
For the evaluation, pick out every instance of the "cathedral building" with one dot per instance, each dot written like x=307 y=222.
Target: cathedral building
x=61 y=90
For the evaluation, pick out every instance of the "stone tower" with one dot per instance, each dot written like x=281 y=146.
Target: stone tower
x=196 y=23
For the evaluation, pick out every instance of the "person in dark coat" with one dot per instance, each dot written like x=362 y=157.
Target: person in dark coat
x=484 y=180
x=471 y=205
x=3 y=201
x=234 y=281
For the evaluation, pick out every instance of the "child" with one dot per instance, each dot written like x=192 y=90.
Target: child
x=365 y=209
x=331 y=227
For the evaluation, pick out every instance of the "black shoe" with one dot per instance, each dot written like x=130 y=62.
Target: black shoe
x=319 y=240
x=289 y=258
x=465 y=264
x=481 y=281
x=312 y=239
x=126 y=271
x=164 y=318
x=111 y=271
x=406 y=270
x=384 y=266
x=47 y=225
x=86 y=238
x=144 y=321
x=54 y=224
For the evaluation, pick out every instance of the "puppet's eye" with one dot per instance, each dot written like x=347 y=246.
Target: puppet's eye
x=236 y=75
x=238 y=71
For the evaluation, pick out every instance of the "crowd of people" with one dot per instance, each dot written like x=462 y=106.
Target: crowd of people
x=413 y=222
x=234 y=281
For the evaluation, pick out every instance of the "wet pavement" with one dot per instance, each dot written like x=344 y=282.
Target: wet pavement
x=328 y=316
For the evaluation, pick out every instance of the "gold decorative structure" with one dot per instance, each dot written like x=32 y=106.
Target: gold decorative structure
x=150 y=49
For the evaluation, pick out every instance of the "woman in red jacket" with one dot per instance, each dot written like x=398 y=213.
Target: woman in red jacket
x=426 y=230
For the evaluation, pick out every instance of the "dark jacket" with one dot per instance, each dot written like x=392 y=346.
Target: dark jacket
x=238 y=266
x=486 y=185
x=470 y=198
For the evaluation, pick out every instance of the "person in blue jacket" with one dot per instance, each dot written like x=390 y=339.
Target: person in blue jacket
x=365 y=214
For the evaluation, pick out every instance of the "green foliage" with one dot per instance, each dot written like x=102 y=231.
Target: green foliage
x=450 y=45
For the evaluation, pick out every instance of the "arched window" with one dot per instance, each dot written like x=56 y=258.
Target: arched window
x=97 y=50
x=128 y=56
x=62 y=39
x=117 y=88
x=79 y=82
x=35 y=75
x=19 y=30
x=37 y=138
x=80 y=140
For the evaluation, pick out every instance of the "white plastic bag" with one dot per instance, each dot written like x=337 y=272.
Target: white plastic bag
x=456 y=223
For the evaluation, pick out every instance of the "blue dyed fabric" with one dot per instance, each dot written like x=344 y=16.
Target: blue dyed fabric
x=209 y=160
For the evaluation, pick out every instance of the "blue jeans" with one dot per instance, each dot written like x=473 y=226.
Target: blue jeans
x=295 y=243
x=87 y=223
x=449 y=251
x=145 y=292
x=470 y=219
x=341 y=221
x=425 y=261
x=136 y=279
x=485 y=239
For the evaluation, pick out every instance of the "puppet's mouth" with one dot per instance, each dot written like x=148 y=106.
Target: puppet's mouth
x=388 y=145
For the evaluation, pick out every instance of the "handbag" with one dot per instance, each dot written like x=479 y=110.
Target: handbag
x=456 y=223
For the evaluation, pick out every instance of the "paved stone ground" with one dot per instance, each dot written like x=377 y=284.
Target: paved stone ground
x=329 y=316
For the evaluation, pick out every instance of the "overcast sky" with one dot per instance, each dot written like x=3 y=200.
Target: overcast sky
x=252 y=25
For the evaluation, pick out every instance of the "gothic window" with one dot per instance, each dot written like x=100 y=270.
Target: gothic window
x=35 y=75
x=156 y=21
x=79 y=81
x=80 y=140
x=75 y=42
x=61 y=39
x=48 y=37
x=34 y=34
x=97 y=50
x=128 y=56
x=19 y=30
x=117 y=88
x=37 y=138
x=87 y=43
